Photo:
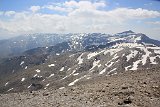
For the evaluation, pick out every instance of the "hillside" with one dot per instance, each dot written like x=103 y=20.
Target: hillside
x=126 y=89
x=68 y=63
x=127 y=63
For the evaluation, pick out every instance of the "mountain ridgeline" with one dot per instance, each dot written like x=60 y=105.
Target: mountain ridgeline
x=17 y=45
x=40 y=61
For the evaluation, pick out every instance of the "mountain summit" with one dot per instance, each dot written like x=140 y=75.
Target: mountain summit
x=126 y=32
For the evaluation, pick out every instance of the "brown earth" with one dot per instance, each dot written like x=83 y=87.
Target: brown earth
x=126 y=89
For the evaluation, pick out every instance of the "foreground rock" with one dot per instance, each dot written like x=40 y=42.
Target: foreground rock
x=127 y=89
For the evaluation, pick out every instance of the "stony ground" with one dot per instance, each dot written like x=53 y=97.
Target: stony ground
x=127 y=89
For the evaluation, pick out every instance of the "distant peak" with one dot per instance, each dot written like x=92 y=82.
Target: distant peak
x=129 y=31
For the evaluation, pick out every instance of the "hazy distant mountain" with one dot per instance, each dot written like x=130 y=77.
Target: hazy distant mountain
x=16 y=46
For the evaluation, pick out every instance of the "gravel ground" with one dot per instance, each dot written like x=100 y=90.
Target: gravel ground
x=127 y=89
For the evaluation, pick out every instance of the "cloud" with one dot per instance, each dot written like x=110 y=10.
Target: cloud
x=134 y=13
x=35 y=8
x=9 y=13
x=57 y=8
x=154 y=22
x=69 y=6
x=82 y=16
x=1 y=13
x=85 y=4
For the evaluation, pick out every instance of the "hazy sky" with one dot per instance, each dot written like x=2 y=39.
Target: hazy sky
x=76 y=16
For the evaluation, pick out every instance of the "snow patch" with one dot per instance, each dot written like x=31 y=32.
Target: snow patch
x=37 y=70
x=10 y=89
x=57 y=54
x=111 y=63
x=6 y=83
x=61 y=69
x=99 y=65
x=26 y=67
x=157 y=51
x=138 y=38
x=22 y=63
x=29 y=86
x=131 y=55
x=35 y=75
x=152 y=60
x=90 y=55
x=69 y=69
x=51 y=75
x=126 y=68
x=111 y=71
x=71 y=55
x=155 y=48
x=72 y=83
x=47 y=85
x=79 y=59
x=144 y=57
x=95 y=63
x=51 y=65
x=75 y=74
x=39 y=76
x=130 y=45
x=103 y=71
x=68 y=75
x=61 y=88
x=22 y=79
x=88 y=78
x=112 y=51
x=135 y=65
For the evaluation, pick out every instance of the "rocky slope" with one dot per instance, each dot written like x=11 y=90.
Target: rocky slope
x=82 y=58
x=67 y=69
x=85 y=61
x=126 y=89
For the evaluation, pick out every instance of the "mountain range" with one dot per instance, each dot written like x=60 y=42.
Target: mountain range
x=17 y=45
x=59 y=61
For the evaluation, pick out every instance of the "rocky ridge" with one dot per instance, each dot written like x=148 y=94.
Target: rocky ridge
x=126 y=89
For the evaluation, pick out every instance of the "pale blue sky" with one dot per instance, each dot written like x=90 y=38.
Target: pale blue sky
x=19 y=17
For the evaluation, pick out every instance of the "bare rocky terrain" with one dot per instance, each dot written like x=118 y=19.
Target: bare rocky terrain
x=89 y=70
x=126 y=89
